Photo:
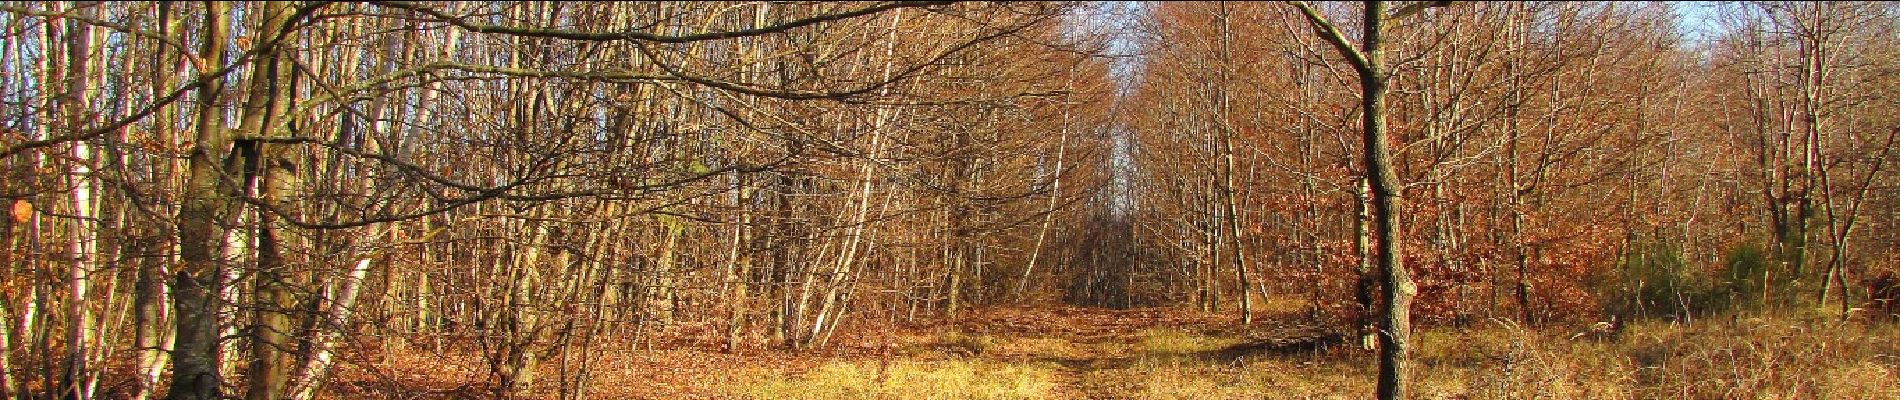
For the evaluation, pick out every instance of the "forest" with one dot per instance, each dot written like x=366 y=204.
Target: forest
x=949 y=200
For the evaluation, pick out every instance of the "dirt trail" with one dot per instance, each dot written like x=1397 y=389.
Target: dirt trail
x=1078 y=340
x=1082 y=341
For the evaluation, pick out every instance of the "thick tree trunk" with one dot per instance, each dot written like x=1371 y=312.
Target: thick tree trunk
x=276 y=167
x=201 y=233
x=521 y=320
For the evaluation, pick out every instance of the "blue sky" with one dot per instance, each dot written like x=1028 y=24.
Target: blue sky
x=1698 y=19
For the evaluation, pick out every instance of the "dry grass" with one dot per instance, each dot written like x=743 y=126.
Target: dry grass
x=1079 y=353
x=1179 y=342
x=1762 y=358
x=944 y=379
x=1766 y=358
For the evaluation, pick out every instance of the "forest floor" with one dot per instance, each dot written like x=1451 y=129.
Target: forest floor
x=1060 y=352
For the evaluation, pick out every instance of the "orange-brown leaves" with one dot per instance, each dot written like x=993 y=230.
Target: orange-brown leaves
x=22 y=211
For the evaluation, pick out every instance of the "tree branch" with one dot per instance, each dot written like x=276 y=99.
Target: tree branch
x=1331 y=33
x=135 y=117
x=1416 y=8
x=463 y=23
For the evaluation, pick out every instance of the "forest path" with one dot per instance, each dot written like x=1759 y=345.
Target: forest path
x=1094 y=351
x=1081 y=342
x=1023 y=352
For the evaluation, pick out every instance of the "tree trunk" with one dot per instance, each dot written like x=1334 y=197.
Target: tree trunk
x=1228 y=198
x=738 y=267
x=148 y=298
x=1364 y=284
x=201 y=232
x=310 y=374
x=276 y=167
x=1395 y=322
x=85 y=227
x=1055 y=193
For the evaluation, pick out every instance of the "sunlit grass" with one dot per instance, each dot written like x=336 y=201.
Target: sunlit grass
x=1790 y=356
x=1772 y=358
x=1188 y=378
x=948 y=379
x=1180 y=342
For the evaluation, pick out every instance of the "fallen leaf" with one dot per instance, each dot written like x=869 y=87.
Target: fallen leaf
x=22 y=211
